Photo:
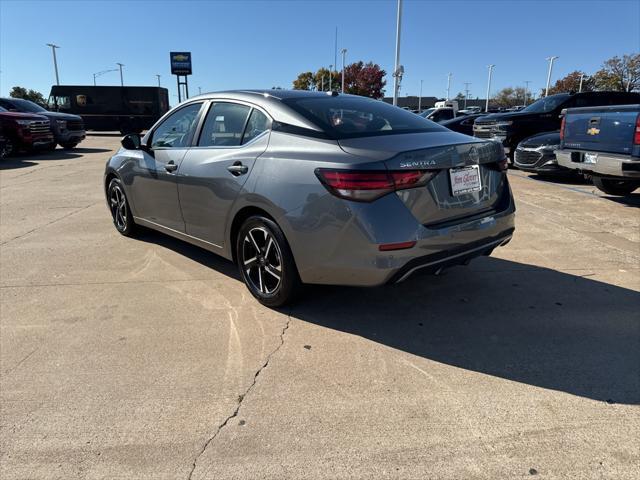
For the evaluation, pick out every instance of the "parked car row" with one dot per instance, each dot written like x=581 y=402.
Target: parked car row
x=26 y=126
x=603 y=141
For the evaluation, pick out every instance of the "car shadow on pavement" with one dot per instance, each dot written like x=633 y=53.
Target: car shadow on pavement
x=514 y=321
x=631 y=200
x=31 y=159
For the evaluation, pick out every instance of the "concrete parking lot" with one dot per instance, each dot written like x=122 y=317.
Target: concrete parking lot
x=147 y=358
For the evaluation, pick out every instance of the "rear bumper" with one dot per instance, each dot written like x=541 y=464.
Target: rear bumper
x=606 y=164
x=345 y=249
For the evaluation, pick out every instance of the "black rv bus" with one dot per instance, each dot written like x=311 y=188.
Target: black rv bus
x=127 y=109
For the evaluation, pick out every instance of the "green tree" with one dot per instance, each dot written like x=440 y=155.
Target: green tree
x=509 y=97
x=33 y=95
x=619 y=74
x=305 y=81
x=459 y=96
x=571 y=83
x=321 y=80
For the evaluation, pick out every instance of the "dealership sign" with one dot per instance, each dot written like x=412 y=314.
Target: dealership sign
x=180 y=63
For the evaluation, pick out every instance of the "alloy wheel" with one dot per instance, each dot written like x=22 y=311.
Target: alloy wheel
x=118 y=206
x=262 y=261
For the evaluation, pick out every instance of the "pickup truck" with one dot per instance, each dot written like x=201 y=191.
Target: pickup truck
x=510 y=128
x=603 y=142
x=68 y=130
x=24 y=131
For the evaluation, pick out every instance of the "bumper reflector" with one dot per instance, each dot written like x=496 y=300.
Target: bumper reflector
x=385 y=247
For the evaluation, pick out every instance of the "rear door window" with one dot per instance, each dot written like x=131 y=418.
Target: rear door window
x=258 y=124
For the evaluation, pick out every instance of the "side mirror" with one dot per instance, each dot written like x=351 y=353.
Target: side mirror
x=131 y=141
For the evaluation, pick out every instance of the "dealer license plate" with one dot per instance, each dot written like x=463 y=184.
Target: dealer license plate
x=465 y=180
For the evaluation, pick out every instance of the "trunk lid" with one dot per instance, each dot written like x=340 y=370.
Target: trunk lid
x=601 y=129
x=436 y=205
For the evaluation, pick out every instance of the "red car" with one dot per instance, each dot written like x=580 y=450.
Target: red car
x=23 y=131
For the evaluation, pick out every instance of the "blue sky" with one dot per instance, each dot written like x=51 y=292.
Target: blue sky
x=257 y=44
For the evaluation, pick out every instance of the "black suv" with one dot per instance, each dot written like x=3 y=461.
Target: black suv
x=68 y=130
x=542 y=116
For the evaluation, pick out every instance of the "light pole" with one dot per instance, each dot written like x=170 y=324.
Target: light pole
x=526 y=90
x=344 y=53
x=199 y=90
x=466 y=93
x=397 y=74
x=551 y=60
x=121 y=80
x=99 y=74
x=330 y=75
x=448 y=85
x=486 y=106
x=55 y=60
x=322 y=84
x=581 y=78
x=420 y=97
x=158 y=76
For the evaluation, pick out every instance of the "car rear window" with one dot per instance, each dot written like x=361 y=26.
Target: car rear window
x=352 y=116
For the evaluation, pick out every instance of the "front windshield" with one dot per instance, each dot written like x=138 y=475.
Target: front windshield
x=353 y=116
x=426 y=113
x=546 y=104
x=27 y=106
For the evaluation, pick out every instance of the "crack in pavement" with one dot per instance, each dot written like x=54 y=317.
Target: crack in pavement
x=241 y=398
x=50 y=223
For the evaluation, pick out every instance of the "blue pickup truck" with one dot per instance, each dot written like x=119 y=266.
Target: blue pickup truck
x=603 y=142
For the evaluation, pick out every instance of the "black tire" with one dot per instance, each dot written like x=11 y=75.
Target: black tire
x=612 y=186
x=266 y=263
x=68 y=146
x=119 y=208
x=7 y=148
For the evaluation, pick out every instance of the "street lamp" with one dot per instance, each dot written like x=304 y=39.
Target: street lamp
x=526 y=90
x=397 y=70
x=466 y=93
x=448 y=85
x=420 y=97
x=99 y=74
x=158 y=76
x=344 y=53
x=121 y=80
x=55 y=60
x=551 y=60
x=330 y=75
x=581 y=78
x=486 y=106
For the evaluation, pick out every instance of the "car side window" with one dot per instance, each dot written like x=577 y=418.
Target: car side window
x=224 y=125
x=258 y=123
x=176 y=130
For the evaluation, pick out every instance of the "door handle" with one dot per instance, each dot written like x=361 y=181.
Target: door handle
x=171 y=167
x=238 y=169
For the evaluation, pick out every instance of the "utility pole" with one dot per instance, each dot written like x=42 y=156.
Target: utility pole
x=158 y=75
x=344 y=53
x=121 y=80
x=199 y=90
x=526 y=90
x=397 y=73
x=581 y=78
x=486 y=106
x=55 y=60
x=322 y=84
x=420 y=98
x=330 y=75
x=335 y=50
x=551 y=60
x=448 y=85
x=466 y=93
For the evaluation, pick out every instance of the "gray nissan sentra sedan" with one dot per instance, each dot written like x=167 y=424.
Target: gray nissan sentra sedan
x=302 y=187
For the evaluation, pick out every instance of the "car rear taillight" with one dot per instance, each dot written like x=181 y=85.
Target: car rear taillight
x=562 y=128
x=366 y=186
x=636 y=137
